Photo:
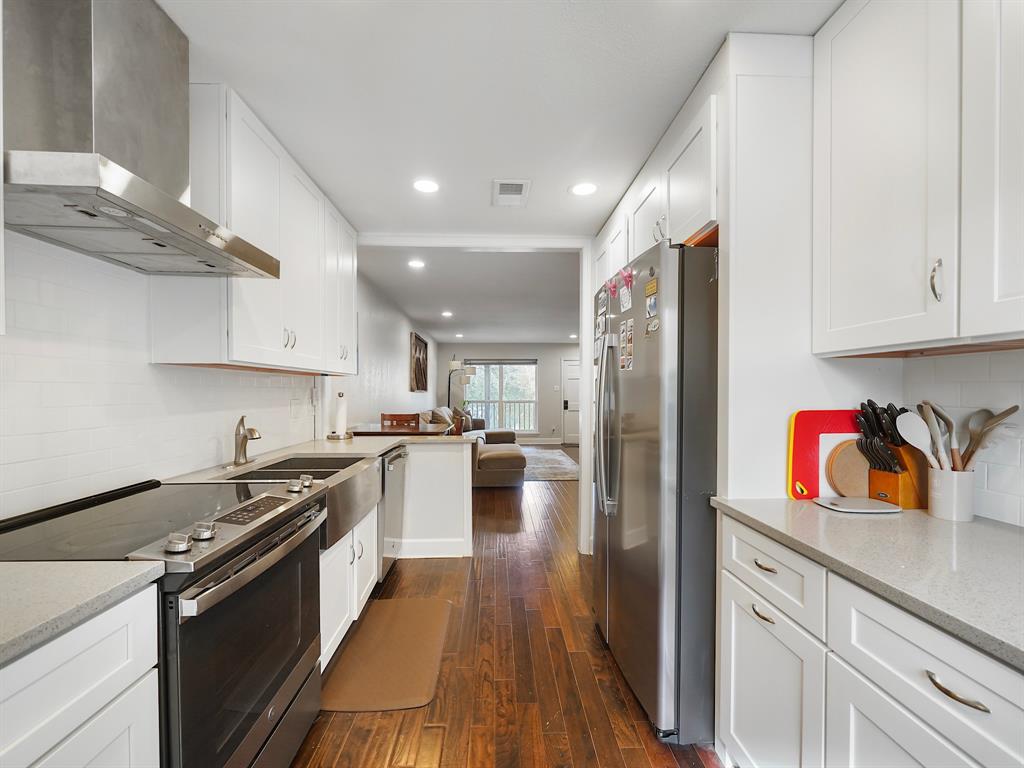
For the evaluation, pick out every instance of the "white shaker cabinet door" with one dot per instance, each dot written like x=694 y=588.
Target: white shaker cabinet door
x=254 y=173
x=992 y=236
x=692 y=178
x=348 y=319
x=366 y=559
x=125 y=734
x=648 y=219
x=867 y=729
x=302 y=249
x=618 y=247
x=333 y=352
x=886 y=174
x=772 y=705
x=337 y=574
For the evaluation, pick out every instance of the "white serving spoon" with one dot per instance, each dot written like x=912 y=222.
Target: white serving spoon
x=954 y=446
x=913 y=429
x=933 y=429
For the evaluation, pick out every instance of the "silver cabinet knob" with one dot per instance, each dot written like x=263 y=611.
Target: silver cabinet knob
x=178 y=543
x=306 y=480
x=295 y=486
x=204 y=531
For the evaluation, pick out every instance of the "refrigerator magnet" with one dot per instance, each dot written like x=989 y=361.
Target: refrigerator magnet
x=625 y=299
x=651 y=305
x=653 y=324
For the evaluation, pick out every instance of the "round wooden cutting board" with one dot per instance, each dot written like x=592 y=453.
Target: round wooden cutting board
x=847 y=470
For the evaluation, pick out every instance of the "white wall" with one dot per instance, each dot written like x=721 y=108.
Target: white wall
x=81 y=408
x=962 y=384
x=549 y=373
x=382 y=384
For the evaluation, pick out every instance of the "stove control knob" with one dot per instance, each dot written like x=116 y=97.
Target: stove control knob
x=307 y=480
x=178 y=543
x=294 y=486
x=204 y=531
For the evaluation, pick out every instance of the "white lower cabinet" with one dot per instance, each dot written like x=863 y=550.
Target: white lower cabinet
x=125 y=734
x=868 y=729
x=337 y=596
x=365 y=543
x=773 y=684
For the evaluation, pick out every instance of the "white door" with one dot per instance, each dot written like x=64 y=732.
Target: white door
x=253 y=205
x=647 y=225
x=571 y=402
x=868 y=729
x=772 y=707
x=992 y=236
x=366 y=559
x=348 y=331
x=302 y=245
x=886 y=174
x=692 y=178
x=124 y=734
x=337 y=595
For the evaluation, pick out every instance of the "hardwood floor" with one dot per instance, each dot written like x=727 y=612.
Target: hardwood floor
x=525 y=679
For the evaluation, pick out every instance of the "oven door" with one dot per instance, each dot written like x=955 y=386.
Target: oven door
x=240 y=646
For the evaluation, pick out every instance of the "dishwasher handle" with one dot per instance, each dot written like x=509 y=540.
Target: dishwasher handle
x=394 y=460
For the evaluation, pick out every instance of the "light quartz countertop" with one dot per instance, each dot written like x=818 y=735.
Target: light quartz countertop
x=40 y=600
x=356 y=447
x=965 y=578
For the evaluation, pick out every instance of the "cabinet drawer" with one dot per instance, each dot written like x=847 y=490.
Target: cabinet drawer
x=125 y=734
x=897 y=651
x=48 y=693
x=793 y=583
x=865 y=728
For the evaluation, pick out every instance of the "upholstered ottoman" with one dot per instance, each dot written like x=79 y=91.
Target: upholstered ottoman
x=498 y=465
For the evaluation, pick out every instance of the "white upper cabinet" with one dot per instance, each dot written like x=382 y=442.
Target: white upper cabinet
x=244 y=179
x=618 y=247
x=692 y=178
x=254 y=171
x=647 y=220
x=992 y=244
x=340 y=342
x=886 y=184
x=302 y=267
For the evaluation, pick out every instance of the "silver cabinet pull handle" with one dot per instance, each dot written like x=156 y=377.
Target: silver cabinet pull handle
x=764 y=567
x=361 y=550
x=295 y=337
x=955 y=696
x=352 y=555
x=761 y=616
x=936 y=291
x=287 y=337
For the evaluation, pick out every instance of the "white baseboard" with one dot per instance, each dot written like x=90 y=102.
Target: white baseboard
x=539 y=440
x=409 y=549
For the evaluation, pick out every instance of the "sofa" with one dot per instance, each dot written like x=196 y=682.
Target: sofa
x=497 y=460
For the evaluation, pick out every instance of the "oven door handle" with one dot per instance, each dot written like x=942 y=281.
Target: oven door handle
x=196 y=602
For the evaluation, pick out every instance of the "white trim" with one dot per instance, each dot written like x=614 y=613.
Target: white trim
x=411 y=549
x=511 y=242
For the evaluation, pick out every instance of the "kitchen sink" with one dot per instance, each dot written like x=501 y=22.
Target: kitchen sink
x=333 y=463
x=284 y=475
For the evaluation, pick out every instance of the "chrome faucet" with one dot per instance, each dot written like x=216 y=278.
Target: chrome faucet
x=243 y=435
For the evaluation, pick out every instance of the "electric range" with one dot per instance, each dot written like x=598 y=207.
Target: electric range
x=238 y=605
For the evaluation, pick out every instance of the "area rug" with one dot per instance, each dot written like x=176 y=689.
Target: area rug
x=392 y=659
x=549 y=464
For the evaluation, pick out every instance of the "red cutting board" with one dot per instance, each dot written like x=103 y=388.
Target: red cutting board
x=804 y=459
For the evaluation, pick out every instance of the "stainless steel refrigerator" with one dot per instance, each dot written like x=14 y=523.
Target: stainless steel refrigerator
x=655 y=472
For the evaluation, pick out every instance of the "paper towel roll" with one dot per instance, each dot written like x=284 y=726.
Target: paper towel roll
x=340 y=415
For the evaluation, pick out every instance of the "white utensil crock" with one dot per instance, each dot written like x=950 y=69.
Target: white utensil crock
x=951 y=495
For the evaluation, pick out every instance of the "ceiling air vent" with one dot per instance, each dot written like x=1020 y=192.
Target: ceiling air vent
x=510 y=192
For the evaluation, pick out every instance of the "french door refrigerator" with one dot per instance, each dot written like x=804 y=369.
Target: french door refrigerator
x=655 y=472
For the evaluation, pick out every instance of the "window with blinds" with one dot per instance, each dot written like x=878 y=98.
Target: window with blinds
x=504 y=394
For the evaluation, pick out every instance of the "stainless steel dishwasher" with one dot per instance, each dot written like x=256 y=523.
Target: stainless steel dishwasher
x=392 y=503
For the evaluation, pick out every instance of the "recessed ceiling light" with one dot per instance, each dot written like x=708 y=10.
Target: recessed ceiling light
x=573 y=336
x=416 y=264
x=458 y=335
x=583 y=188
x=446 y=313
x=425 y=185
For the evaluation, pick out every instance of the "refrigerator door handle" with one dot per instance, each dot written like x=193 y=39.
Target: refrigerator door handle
x=607 y=504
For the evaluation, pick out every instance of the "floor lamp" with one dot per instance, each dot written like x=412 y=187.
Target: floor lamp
x=456 y=366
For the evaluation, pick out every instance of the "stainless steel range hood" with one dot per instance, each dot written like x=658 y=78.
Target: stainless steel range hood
x=96 y=132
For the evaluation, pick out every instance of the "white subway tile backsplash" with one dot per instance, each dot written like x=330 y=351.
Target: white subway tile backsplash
x=81 y=408
x=962 y=384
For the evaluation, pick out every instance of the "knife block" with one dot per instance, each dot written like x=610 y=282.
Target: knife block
x=909 y=488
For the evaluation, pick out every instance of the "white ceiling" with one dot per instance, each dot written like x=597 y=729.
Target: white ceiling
x=371 y=95
x=494 y=297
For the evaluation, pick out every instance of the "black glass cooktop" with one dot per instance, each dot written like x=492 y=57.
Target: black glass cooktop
x=112 y=529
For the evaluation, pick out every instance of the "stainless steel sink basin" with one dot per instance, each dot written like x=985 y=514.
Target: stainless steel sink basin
x=308 y=463
x=284 y=475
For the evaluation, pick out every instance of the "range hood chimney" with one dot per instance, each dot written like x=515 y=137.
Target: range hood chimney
x=96 y=139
